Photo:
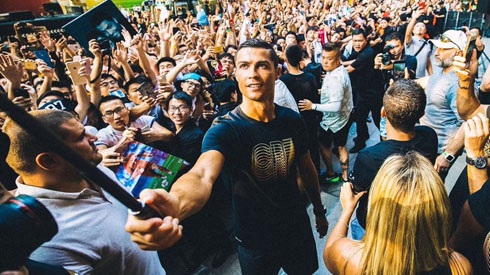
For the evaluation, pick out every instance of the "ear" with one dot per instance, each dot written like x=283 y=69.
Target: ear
x=278 y=72
x=46 y=161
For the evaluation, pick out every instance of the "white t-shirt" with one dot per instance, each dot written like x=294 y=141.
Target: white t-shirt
x=109 y=136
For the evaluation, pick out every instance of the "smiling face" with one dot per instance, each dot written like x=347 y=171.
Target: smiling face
x=255 y=73
x=178 y=111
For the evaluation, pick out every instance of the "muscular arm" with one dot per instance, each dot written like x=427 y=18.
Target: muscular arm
x=194 y=188
x=467 y=103
x=308 y=174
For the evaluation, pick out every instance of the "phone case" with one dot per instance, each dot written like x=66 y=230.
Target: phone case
x=44 y=56
x=73 y=67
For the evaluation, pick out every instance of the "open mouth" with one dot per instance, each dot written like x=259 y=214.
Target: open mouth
x=254 y=86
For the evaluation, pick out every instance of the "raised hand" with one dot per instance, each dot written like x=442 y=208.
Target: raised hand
x=120 y=53
x=94 y=48
x=11 y=70
x=47 y=42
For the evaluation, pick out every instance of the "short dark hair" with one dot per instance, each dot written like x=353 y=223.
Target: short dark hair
x=293 y=33
x=49 y=93
x=294 y=54
x=138 y=80
x=222 y=90
x=166 y=59
x=404 y=104
x=98 y=17
x=24 y=147
x=394 y=36
x=359 y=31
x=332 y=47
x=226 y=55
x=260 y=44
x=179 y=96
x=312 y=28
x=108 y=98
x=105 y=76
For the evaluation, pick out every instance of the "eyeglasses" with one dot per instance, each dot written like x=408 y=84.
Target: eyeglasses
x=118 y=111
x=446 y=39
x=181 y=108
x=192 y=84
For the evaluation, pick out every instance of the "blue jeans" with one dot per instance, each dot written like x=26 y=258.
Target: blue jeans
x=356 y=230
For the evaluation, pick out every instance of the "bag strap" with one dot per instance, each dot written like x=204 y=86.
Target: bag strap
x=421 y=47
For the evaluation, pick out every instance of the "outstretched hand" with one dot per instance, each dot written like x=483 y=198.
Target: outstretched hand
x=156 y=233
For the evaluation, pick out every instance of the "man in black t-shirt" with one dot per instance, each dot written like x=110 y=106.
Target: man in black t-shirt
x=360 y=66
x=258 y=147
x=303 y=86
x=404 y=103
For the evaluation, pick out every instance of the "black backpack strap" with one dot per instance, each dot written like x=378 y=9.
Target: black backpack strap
x=420 y=49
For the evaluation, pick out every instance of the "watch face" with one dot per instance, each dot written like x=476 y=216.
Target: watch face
x=480 y=163
x=450 y=158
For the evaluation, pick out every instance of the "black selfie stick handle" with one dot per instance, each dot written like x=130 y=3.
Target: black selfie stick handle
x=88 y=170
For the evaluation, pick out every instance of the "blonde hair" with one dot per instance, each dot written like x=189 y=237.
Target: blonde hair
x=408 y=219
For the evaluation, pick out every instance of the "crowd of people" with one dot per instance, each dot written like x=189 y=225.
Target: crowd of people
x=256 y=97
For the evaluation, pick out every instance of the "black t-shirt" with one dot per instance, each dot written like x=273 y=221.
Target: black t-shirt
x=260 y=169
x=361 y=78
x=316 y=70
x=7 y=175
x=187 y=143
x=303 y=86
x=440 y=21
x=479 y=203
x=370 y=160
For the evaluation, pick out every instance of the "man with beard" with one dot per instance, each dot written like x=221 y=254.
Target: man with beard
x=441 y=113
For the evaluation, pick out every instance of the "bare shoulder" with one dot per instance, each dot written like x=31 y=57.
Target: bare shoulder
x=343 y=257
x=459 y=264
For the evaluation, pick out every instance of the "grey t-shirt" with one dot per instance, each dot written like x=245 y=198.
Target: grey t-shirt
x=441 y=113
x=424 y=54
x=91 y=237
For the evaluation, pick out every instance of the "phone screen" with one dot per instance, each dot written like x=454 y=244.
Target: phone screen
x=399 y=70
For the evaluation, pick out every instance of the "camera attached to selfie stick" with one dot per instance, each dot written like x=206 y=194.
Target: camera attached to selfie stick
x=88 y=170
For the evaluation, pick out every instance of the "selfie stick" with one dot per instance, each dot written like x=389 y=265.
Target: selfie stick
x=89 y=171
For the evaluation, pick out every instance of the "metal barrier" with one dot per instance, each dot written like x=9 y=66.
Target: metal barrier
x=455 y=20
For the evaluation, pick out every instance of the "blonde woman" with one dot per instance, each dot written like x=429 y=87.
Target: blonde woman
x=407 y=227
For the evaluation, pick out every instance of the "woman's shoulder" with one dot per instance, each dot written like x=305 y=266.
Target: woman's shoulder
x=344 y=256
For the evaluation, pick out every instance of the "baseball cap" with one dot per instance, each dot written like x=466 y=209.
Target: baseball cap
x=193 y=76
x=451 y=39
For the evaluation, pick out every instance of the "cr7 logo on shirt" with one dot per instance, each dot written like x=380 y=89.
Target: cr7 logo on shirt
x=272 y=161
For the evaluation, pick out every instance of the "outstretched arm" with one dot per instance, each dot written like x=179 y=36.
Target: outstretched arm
x=187 y=196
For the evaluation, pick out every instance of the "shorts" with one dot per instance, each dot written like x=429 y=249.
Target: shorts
x=339 y=139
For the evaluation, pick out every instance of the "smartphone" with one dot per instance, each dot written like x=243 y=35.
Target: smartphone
x=468 y=49
x=219 y=49
x=175 y=30
x=73 y=48
x=422 y=5
x=74 y=67
x=162 y=79
x=21 y=93
x=147 y=89
x=399 y=70
x=44 y=56
x=29 y=65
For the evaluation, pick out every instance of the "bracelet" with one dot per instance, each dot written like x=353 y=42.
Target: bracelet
x=463 y=87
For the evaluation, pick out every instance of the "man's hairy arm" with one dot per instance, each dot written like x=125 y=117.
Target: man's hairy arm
x=186 y=197
x=194 y=188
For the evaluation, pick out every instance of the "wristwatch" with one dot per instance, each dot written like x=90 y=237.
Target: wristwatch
x=449 y=158
x=320 y=212
x=479 y=163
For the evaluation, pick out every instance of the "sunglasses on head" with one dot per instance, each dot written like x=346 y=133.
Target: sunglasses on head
x=446 y=39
